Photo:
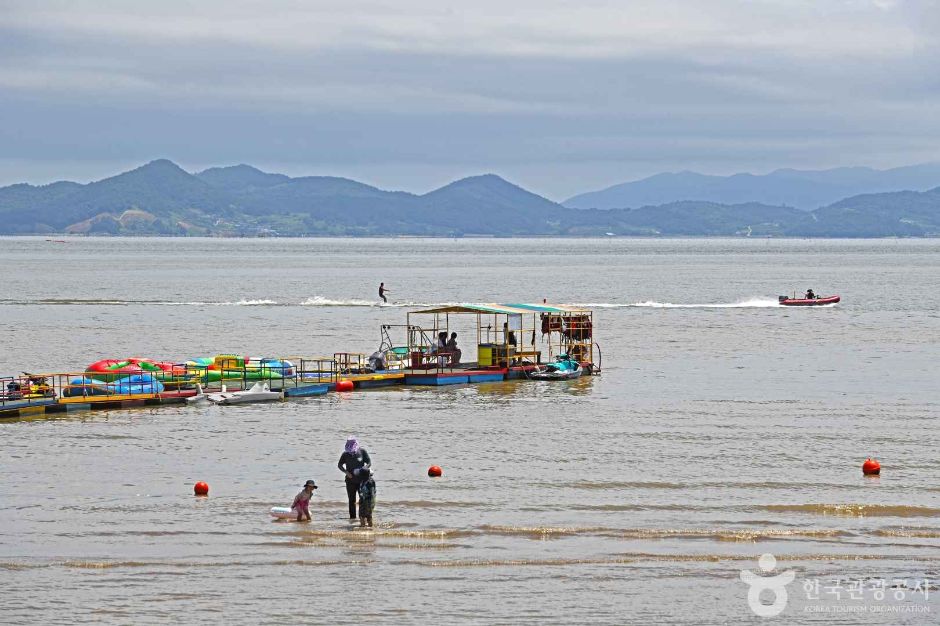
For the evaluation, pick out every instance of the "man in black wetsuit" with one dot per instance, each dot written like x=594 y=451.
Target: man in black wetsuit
x=352 y=459
x=382 y=292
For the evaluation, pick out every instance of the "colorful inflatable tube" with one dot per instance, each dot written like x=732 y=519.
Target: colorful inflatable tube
x=85 y=386
x=113 y=369
x=236 y=367
x=138 y=384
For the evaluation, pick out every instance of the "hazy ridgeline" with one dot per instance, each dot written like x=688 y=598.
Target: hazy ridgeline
x=162 y=199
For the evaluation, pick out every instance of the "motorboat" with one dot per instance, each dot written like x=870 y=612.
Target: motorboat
x=817 y=301
x=563 y=368
x=259 y=392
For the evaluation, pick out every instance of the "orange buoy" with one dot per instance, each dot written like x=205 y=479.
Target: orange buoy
x=345 y=385
x=435 y=471
x=201 y=489
x=871 y=467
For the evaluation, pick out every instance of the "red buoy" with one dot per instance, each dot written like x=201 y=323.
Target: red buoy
x=871 y=467
x=201 y=489
x=435 y=471
x=345 y=385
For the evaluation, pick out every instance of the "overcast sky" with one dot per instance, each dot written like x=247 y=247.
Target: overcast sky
x=560 y=97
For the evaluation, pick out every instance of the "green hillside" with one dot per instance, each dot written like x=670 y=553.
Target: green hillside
x=160 y=198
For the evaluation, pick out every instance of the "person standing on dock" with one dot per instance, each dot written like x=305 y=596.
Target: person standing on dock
x=382 y=292
x=353 y=458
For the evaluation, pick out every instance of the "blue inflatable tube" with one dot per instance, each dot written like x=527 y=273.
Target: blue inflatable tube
x=138 y=384
x=86 y=386
x=284 y=368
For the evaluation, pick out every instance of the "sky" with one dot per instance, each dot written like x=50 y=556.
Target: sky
x=559 y=96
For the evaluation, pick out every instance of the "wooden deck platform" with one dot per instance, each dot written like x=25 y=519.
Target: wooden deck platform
x=454 y=376
x=361 y=381
x=97 y=403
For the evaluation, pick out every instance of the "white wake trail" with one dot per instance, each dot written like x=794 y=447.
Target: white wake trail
x=352 y=302
x=752 y=303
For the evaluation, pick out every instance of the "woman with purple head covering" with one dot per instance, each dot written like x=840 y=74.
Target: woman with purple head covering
x=354 y=457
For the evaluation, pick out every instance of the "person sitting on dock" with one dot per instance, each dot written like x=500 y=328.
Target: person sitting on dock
x=510 y=336
x=453 y=349
x=440 y=348
x=810 y=295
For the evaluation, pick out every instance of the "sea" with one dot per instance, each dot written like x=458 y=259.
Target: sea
x=722 y=428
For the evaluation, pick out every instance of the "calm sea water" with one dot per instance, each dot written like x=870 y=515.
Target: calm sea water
x=722 y=428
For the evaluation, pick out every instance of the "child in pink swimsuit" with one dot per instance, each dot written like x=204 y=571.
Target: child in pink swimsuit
x=301 y=502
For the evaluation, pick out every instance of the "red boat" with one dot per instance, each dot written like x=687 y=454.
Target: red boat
x=817 y=301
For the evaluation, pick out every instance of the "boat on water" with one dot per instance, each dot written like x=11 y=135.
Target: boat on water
x=817 y=301
x=259 y=392
x=564 y=368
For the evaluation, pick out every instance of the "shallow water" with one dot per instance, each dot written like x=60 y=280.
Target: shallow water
x=723 y=427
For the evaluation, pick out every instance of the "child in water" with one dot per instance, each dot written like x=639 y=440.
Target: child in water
x=366 y=495
x=301 y=502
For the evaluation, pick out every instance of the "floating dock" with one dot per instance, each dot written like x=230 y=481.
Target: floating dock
x=455 y=376
x=38 y=407
x=513 y=341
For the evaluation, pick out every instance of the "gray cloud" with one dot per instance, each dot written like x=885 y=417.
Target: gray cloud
x=560 y=96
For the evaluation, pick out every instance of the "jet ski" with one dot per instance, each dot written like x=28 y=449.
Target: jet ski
x=259 y=392
x=817 y=301
x=564 y=368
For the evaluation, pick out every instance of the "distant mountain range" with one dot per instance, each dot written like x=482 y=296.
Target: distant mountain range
x=801 y=189
x=160 y=198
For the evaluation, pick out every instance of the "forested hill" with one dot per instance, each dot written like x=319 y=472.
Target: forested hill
x=160 y=198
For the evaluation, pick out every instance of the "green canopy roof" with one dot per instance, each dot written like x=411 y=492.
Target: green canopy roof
x=506 y=309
